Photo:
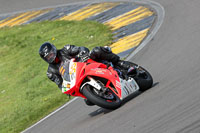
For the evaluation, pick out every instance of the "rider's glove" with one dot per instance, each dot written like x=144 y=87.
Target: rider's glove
x=83 y=56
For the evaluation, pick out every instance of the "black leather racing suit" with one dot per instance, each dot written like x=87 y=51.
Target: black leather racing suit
x=71 y=51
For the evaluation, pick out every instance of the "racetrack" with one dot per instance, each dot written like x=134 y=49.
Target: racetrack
x=9 y=6
x=172 y=105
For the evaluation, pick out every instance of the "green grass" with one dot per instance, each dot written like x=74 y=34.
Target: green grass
x=26 y=94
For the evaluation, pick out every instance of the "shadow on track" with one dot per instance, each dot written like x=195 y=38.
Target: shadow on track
x=132 y=96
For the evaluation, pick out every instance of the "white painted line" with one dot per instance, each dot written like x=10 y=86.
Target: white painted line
x=51 y=114
x=160 y=17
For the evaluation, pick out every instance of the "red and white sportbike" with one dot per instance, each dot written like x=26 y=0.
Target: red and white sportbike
x=101 y=83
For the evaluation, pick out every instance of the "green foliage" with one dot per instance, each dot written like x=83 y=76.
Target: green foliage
x=26 y=95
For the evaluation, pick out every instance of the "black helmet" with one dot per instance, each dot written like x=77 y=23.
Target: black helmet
x=48 y=52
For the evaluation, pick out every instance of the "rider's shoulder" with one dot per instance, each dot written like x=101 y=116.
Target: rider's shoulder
x=68 y=46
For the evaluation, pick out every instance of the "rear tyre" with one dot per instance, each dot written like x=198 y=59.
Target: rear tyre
x=90 y=94
x=143 y=79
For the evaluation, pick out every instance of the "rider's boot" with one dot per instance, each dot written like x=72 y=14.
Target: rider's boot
x=126 y=66
x=123 y=64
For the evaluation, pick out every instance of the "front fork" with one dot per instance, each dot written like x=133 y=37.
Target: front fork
x=101 y=89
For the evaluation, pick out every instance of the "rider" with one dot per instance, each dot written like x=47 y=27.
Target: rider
x=54 y=57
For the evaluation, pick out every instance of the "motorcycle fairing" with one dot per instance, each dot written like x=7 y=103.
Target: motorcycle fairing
x=73 y=73
x=101 y=70
x=78 y=71
x=128 y=87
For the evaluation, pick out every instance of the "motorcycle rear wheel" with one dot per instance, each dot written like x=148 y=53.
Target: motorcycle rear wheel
x=88 y=92
x=145 y=80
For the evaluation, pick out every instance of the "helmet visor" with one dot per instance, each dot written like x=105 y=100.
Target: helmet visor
x=50 y=57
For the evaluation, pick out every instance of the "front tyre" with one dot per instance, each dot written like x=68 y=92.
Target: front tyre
x=91 y=95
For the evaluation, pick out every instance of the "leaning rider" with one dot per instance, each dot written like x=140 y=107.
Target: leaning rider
x=54 y=57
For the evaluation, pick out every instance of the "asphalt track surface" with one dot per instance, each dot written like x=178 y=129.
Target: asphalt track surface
x=172 y=57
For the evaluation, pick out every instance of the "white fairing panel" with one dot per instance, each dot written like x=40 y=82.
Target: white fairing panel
x=128 y=87
x=72 y=73
x=67 y=85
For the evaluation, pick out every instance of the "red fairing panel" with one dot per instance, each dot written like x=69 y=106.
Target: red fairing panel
x=101 y=70
x=92 y=68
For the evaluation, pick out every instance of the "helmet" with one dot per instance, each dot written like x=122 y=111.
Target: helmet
x=48 y=52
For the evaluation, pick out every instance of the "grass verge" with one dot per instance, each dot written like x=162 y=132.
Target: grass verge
x=26 y=94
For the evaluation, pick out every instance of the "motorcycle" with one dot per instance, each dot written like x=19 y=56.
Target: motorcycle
x=101 y=83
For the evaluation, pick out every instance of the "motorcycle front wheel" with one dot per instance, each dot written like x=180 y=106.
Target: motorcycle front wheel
x=89 y=92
